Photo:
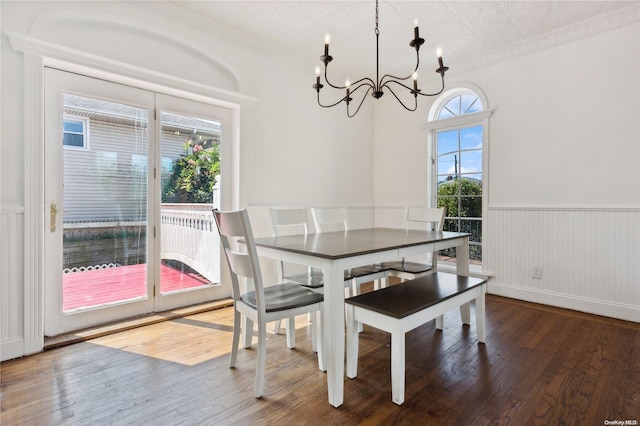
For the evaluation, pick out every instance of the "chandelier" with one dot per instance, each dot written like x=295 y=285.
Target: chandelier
x=386 y=82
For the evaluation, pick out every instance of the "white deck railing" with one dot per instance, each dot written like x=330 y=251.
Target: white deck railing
x=189 y=235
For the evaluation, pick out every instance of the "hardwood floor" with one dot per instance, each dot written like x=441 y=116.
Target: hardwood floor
x=540 y=365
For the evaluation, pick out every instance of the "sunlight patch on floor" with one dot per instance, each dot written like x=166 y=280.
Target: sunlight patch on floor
x=205 y=340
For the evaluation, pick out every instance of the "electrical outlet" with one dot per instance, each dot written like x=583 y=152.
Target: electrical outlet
x=536 y=272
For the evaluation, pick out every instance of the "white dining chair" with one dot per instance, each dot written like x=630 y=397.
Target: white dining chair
x=261 y=304
x=427 y=219
x=337 y=219
x=291 y=222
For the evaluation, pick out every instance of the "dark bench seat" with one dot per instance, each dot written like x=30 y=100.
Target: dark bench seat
x=403 y=307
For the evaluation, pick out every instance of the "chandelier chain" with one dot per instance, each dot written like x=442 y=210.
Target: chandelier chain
x=377 y=19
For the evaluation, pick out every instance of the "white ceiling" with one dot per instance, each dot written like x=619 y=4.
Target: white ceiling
x=463 y=29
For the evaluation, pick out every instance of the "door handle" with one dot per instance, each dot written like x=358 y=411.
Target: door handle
x=54 y=214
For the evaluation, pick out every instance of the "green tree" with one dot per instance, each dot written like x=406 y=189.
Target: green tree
x=461 y=197
x=193 y=176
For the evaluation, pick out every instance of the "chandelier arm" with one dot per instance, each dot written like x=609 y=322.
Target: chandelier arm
x=344 y=98
x=326 y=78
x=389 y=76
x=360 y=85
x=386 y=84
x=415 y=106
x=436 y=93
x=332 y=105
x=360 y=104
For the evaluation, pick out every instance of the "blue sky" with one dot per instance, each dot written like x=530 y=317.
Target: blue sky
x=465 y=147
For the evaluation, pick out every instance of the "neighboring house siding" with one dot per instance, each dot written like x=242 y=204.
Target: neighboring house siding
x=108 y=181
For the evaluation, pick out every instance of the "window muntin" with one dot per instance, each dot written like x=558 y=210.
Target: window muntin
x=460 y=105
x=75 y=132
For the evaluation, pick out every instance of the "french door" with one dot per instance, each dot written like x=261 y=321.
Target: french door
x=131 y=177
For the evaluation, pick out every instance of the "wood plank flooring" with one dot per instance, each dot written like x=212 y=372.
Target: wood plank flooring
x=540 y=365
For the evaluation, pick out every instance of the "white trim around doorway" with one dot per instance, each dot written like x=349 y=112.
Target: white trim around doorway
x=39 y=54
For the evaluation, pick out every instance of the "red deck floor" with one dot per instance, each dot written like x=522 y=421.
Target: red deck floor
x=102 y=286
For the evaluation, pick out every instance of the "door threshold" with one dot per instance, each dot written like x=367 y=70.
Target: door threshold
x=130 y=323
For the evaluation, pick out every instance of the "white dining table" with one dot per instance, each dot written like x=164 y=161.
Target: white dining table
x=334 y=252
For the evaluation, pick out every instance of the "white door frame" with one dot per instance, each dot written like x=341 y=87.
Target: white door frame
x=165 y=103
x=56 y=84
x=36 y=55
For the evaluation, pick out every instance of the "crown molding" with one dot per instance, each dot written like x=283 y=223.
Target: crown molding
x=599 y=24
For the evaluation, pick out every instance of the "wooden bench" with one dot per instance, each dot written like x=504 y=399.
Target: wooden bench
x=403 y=307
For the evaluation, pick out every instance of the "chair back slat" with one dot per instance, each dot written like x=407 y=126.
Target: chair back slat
x=288 y=221
x=240 y=263
x=330 y=219
x=433 y=217
x=230 y=224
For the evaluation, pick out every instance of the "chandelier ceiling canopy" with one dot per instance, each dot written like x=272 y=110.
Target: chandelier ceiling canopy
x=377 y=87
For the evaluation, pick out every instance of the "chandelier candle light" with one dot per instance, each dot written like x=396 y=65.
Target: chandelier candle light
x=376 y=87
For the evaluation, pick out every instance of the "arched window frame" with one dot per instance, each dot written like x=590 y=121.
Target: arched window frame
x=434 y=125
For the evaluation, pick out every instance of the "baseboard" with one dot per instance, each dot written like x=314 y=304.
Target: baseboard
x=567 y=301
x=12 y=348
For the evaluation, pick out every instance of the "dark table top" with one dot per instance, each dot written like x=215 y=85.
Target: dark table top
x=337 y=245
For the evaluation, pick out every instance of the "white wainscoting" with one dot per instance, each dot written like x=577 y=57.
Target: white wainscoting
x=589 y=257
x=11 y=279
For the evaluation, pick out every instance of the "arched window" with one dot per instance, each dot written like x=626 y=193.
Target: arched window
x=458 y=105
x=459 y=123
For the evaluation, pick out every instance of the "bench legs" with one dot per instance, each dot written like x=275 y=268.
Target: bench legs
x=397 y=366
x=398 y=342
x=465 y=315
x=397 y=356
x=480 y=312
x=352 y=343
x=439 y=322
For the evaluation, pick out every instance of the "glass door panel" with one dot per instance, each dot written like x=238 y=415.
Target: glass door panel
x=190 y=189
x=131 y=177
x=105 y=202
x=97 y=148
x=191 y=154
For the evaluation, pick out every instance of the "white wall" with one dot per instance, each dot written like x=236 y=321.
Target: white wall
x=563 y=142
x=291 y=151
x=568 y=126
x=564 y=155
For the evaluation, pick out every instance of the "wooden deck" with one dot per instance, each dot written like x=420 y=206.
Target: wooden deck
x=539 y=366
x=104 y=286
